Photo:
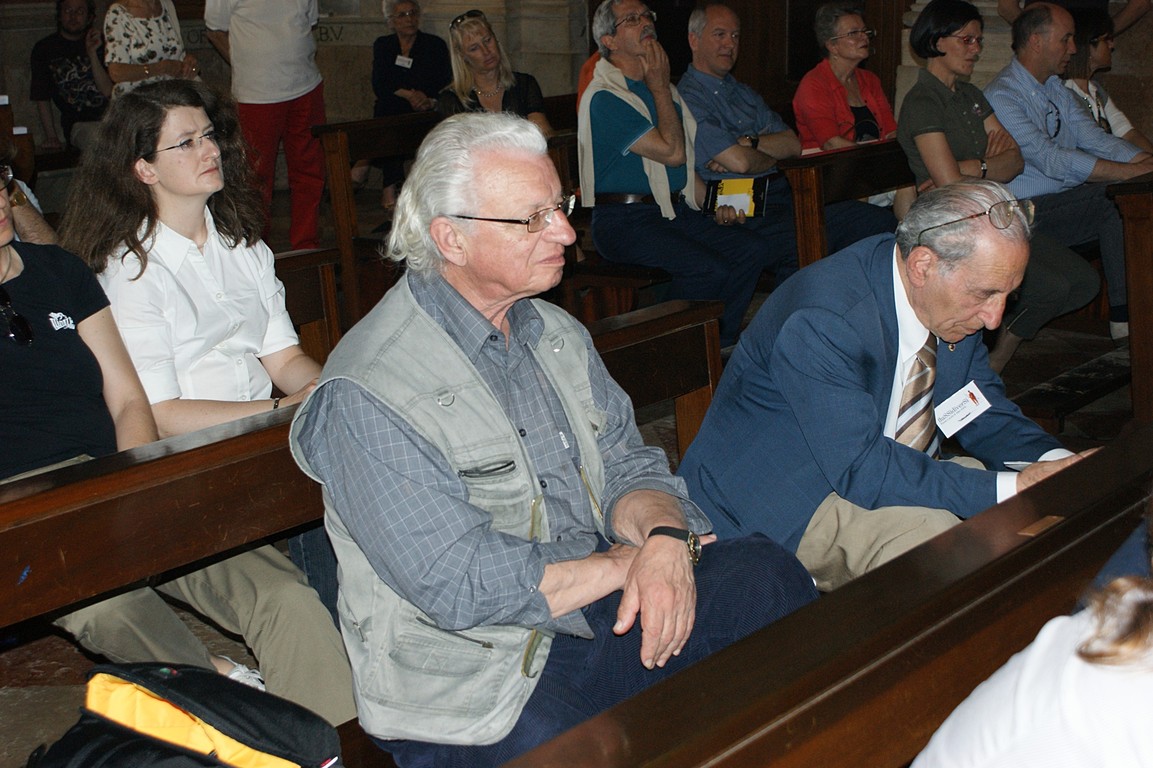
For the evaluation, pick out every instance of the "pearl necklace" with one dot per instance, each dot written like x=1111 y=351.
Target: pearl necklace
x=493 y=92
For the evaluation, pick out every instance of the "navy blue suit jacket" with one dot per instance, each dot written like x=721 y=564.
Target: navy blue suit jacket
x=801 y=406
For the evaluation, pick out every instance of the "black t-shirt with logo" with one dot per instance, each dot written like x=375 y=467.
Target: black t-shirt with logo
x=62 y=72
x=52 y=404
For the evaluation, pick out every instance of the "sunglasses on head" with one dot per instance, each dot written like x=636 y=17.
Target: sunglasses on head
x=473 y=14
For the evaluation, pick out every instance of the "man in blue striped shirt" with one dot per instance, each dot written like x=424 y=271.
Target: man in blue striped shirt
x=1069 y=159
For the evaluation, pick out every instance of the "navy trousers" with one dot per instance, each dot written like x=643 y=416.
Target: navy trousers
x=742 y=585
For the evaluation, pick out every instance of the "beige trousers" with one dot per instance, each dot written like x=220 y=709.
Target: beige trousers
x=843 y=541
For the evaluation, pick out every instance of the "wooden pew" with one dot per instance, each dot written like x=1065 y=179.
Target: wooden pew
x=836 y=175
x=364 y=276
x=309 y=278
x=1134 y=199
x=865 y=675
x=83 y=531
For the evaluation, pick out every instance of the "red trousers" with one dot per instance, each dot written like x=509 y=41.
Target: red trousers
x=265 y=126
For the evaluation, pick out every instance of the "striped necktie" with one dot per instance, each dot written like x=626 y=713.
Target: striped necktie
x=916 y=424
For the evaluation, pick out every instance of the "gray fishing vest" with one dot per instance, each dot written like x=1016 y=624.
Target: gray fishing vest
x=414 y=680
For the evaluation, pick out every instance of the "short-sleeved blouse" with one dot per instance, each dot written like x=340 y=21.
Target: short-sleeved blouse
x=429 y=69
x=931 y=107
x=132 y=40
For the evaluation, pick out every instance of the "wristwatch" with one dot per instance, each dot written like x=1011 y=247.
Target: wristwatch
x=691 y=540
x=753 y=139
x=984 y=169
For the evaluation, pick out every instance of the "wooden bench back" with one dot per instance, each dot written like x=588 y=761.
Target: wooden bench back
x=364 y=276
x=864 y=676
x=81 y=531
x=309 y=278
x=830 y=177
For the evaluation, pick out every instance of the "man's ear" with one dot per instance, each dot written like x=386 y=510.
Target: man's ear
x=694 y=41
x=448 y=241
x=145 y=172
x=608 y=42
x=921 y=262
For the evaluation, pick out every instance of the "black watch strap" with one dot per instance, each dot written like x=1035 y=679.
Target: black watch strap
x=691 y=540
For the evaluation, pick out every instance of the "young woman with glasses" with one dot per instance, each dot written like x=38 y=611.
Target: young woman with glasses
x=949 y=132
x=165 y=211
x=1093 y=35
x=482 y=76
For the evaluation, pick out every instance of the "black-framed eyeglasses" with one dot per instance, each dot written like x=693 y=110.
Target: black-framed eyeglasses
x=404 y=14
x=971 y=40
x=634 y=18
x=19 y=331
x=196 y=142
x=1055 y=113
x=857 y=34
x=1000 y=216
x=537 y=221
x=473 y=14
x=6 y=175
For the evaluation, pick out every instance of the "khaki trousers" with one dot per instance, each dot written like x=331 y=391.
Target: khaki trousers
x=843 y=541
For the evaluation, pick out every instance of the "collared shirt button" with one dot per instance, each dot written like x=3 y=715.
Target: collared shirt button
x=522 y=432
x=240 y=361
x=543 y=484
x=219 y=295
x=243 y=398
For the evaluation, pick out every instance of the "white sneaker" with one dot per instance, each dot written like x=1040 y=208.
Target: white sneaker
x=1118 y=331
x=247 y=675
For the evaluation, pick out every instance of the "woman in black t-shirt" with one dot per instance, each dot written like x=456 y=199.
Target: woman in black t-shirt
x=69 y=389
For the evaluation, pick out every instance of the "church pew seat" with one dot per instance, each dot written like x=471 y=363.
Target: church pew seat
x=864 y=676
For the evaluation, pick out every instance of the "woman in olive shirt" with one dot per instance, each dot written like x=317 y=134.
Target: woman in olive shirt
x=949 y=131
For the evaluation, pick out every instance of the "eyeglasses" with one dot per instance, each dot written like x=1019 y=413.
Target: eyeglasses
x=1105 y=38
x=970 y=40
x=194 y=143
x=19 y=331
x=1056 y=114
x=6 y=175
x=1000 y=216
x=634 y=18
x=536 y=222
x=857 y=34
x=473 y=14
x=404 y=15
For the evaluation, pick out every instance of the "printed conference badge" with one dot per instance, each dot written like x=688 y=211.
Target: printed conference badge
x=966 y=404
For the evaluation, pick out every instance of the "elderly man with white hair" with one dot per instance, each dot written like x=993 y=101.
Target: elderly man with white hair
x=513 y=559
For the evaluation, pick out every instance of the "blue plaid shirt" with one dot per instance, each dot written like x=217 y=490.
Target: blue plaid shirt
x=409 y=512
x=1059 y=140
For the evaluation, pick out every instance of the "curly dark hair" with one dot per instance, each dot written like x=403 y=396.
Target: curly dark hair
x=109 y=209
x=1089 y=26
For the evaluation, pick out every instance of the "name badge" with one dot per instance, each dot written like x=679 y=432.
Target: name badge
x=966 y=404
x=404 y=61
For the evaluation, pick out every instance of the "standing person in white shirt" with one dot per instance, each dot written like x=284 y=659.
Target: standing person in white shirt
x=280 y=96
x=165 y=213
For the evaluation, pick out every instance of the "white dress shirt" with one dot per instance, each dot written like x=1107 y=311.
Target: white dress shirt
x=197 y=323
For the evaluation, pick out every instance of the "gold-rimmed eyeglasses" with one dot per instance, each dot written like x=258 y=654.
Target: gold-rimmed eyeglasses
x=405 y=14
x=1000 y=216
x=634 y=18
x=857 y=34
x=970 y=40
x=537 y=221
x=196 y=142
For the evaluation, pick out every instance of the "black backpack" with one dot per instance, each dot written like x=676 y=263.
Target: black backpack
x=181 y=716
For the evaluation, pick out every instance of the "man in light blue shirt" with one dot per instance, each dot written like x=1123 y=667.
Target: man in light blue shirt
x=1068 y=157
x=739 y=136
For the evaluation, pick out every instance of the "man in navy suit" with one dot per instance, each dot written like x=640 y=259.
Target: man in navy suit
x=801 y=440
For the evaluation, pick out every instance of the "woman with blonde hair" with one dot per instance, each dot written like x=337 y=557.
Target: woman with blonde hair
x=482 y=76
